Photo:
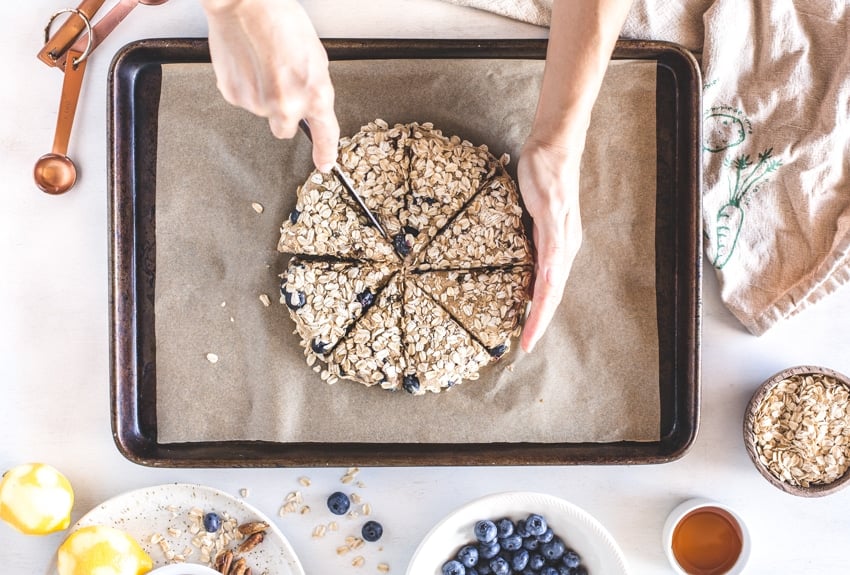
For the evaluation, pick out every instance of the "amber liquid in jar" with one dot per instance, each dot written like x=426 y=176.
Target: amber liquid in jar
x=707 y=541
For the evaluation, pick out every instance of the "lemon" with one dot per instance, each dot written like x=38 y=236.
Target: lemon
x=36 y=499
x=101 y=550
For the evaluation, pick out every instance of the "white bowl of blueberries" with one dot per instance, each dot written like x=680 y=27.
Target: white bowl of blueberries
x=518 y=533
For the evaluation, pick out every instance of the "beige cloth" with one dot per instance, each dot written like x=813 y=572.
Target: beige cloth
x=776 y=141
x=677 y=21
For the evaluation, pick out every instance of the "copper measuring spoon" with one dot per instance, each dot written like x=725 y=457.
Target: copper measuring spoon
x=55 y=173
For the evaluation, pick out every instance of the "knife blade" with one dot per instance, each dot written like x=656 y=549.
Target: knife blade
x=348 y=185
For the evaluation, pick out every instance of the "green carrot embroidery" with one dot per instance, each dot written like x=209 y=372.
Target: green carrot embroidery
x=730 y=216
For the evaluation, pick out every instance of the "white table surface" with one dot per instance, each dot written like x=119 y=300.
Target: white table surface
x=54 y=338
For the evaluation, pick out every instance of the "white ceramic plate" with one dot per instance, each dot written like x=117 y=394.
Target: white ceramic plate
x=144 y=512
x=599 y=553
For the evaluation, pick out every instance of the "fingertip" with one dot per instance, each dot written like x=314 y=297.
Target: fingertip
x=324 y=167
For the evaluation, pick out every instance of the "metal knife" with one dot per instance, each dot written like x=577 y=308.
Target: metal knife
x=348 y=185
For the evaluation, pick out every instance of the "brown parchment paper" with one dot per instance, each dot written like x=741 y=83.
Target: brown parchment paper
x=594 y=377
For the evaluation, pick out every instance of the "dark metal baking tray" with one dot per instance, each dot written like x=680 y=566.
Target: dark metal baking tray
x=134 y=89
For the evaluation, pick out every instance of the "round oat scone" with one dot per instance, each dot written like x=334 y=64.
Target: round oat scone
x=442 y=297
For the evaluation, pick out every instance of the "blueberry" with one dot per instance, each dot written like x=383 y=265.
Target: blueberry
x=293 y=216
x=485 y=531
x=505 y=527
x=483 y=569
x=400 y=244
x=500 y=566
x=212 y=522
x=511 y=543
x=581 y=570
x=546 y=536
x=520 y=529
x=549 y=570
x=519 y=560
x=530 y=543
x=488 y=550
x=553 y=550
x=453 y=568
x=410 y=383
x=564 y=570
x=294 y=299
x=371 y=530
x=536 y=561
x=498 y=351
x=338 y=503
x=319 y=347
x=535 y=525
x=571 y=559
x=468 y=555
x=365 y=299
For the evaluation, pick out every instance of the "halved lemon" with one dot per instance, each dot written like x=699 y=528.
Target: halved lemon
x=101 y=550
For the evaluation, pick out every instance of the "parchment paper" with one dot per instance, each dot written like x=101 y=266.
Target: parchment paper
x=594 y=377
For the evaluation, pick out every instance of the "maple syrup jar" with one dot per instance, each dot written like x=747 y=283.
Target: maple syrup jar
x=703 y=537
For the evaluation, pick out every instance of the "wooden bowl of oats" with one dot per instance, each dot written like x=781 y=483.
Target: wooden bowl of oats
x=797 y=430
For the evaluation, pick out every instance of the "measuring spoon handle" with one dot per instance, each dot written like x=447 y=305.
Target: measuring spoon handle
x=68 y=32
x=101 y=29
x=68 y=103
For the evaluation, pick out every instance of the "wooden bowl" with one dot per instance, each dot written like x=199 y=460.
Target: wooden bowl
x=813 y=490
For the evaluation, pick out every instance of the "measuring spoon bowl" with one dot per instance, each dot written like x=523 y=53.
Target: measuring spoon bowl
x=152 y=2
x=55 y=174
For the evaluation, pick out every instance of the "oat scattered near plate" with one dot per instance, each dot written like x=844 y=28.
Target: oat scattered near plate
x=212 y=358
x=257 y=207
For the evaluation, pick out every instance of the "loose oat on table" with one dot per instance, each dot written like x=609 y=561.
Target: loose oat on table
x=447 y=205
x=802 y=430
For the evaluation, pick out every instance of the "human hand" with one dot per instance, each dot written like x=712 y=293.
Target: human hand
x=548 y=177
x=268 y=59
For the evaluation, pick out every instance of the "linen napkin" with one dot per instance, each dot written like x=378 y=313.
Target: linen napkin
x=776 y=187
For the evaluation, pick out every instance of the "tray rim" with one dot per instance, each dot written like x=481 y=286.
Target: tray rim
x=140 y=447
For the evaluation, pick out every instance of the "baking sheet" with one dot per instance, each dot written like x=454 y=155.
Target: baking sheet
x=594 y=377
x=135 y=79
